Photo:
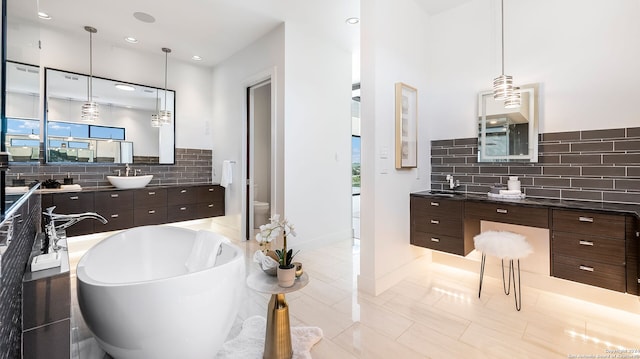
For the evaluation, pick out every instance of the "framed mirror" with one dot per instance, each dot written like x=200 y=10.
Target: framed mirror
x=22 y=131
x=508 y=134
x=122 y=134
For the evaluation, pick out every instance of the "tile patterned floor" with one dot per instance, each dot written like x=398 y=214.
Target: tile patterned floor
x=433 y=314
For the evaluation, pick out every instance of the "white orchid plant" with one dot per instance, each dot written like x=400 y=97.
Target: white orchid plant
x=270 y=231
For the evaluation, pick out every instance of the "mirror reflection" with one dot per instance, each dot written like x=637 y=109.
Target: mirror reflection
x=22 y=139
x=508 y=134
x=123 y=133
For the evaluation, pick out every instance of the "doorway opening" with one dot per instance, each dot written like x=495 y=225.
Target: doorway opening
x=259 y=157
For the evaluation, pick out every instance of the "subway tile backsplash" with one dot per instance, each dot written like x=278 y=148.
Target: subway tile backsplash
x=191 y=166
x=595 y=165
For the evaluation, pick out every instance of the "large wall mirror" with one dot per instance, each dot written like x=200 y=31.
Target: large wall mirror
x=508 y=134
x=122 y=134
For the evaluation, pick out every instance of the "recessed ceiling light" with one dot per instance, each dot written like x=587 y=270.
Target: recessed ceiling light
x=144 y=17
x=44 y=15
x=131 y=40
x=352 y=20
x=196 y=58
x=124 y=87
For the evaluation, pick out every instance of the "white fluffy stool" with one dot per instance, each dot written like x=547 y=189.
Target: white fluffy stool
x=504 y=245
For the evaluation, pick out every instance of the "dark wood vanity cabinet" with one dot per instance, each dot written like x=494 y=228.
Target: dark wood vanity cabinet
x=438 y=224
x=138 y=207
x=149 y=206
x=590 y=248
x=116 y=207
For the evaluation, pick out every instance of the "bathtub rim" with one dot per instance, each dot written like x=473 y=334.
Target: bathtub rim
x=82 y=276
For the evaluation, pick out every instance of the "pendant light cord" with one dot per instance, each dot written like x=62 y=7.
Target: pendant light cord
x=166 y=63
x=90 y=88
x=502 y=31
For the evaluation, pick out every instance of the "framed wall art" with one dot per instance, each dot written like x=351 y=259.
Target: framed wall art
x=406 y=126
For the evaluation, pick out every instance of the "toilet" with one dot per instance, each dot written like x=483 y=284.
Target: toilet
x=260 y=210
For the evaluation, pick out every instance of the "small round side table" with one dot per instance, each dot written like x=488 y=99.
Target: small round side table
x=277 y=341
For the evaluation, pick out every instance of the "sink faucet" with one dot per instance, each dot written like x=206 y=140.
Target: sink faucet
x=453 y=184
x=56 y=232
x=126 y=170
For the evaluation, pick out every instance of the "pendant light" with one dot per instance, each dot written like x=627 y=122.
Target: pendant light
x=503 y=84
x=165 y=115
x=155 y=120
x=90 y=111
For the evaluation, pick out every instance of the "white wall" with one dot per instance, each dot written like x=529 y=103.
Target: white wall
x=123 y=62
x=394 y=49
x=317 y=135
x=230 y=79
x=583 y=53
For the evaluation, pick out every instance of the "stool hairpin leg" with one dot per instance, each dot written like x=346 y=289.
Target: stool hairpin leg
x=484 y=258
x=517 y=292
x=507 y=288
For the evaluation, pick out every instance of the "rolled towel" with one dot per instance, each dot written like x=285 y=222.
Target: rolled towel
x=227 y=174
x=71 y=187
x=204 y=251
x=510 y=192
x=264 y=260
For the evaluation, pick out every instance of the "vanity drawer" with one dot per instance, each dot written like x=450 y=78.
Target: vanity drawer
x=182 y=195
x=110 y=200
x=73 y=202
x=454 y=245
x=210 y=193
x=423 y=205
x=149 y=215
x=150 y=197
x=117 y=219
x=213 y=209
x=589 y=272
x=604 y=250
x=508 y=213
x=181 y=212
x=438 y=224
x=594 y=224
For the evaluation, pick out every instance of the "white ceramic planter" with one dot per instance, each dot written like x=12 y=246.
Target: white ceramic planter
x=286 y=277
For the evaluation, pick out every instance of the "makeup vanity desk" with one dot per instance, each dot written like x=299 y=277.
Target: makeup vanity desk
x=593 y=243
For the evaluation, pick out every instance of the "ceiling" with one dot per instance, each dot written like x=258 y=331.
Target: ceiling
x=212 y=29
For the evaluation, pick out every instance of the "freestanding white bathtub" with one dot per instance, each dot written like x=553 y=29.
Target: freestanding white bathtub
x=140 y=301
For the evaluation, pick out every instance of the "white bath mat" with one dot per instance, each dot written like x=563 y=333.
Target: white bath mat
x=249 y=344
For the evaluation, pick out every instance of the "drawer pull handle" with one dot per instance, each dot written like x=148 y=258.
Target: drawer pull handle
x=210 y=206
x=183 y=191
x=586 y=243
x=151 y=193
x=151 y=211
x=183 y=208
x=586 y=268
x=500 y=210
x=73 y=198
x=585 y=219
x=435 y=221
x=115 y=195
x=437 y=240
x=114 y=216
x=210 y=189
x=435 y=204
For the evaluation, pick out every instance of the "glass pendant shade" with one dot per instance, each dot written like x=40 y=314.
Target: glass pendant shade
x=90 y=112
x=165 y=117
x=502 y=87
x=155 y=122
x=513 y=101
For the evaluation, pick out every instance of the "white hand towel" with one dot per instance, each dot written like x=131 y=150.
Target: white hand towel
x=227 y=174
x=204 y=251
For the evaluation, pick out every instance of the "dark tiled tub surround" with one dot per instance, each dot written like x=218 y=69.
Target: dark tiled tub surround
x=595 y=165
x=191 y=166
x=22 y=231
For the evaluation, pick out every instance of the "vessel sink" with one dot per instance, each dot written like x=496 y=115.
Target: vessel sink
x=130 y=181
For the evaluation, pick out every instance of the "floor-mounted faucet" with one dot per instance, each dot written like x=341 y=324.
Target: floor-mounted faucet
x=55 y=232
